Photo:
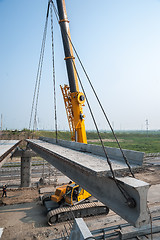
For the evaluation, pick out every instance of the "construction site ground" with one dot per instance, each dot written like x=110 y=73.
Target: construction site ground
x=22 y=217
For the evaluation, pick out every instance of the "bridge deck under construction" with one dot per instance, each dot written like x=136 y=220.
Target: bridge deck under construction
x=97 y=164
x=6 y=148
x=93 y=174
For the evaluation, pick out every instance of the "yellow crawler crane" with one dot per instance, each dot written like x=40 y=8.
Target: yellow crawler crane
x=69 y=198
x=66 y=195
x=70 y=201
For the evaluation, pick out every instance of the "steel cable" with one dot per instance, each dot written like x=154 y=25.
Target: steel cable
x=93 y=89
x=39 y=71
x=122 y=190
x=54 y=80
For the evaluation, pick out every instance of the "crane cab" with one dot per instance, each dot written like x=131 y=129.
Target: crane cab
x=75 y=194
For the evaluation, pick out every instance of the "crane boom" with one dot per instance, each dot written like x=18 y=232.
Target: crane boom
x=74 y=101
x=68 y=50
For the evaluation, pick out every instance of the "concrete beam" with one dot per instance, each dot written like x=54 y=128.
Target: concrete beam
x=23 y=153
x=93 y=174
x=1 y=231
x=6 y=149
x=134 y=158
x=80 y=231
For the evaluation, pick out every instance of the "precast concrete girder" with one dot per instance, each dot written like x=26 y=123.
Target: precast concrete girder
x=23 y=153
x=135 y=158
x=80 y=231
x=93 y=174
x=6 y=149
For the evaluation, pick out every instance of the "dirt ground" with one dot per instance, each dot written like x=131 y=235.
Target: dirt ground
x=22 y=216
x=27 y=195
x=22 y=195
x=150 y=175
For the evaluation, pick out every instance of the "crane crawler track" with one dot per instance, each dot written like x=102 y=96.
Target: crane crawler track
x=81 y=210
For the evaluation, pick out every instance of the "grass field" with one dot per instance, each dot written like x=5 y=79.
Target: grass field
x=138 y=141
x=133 y=140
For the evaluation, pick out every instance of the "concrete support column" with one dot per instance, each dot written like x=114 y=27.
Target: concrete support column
x=26 y=156
x=25 y=171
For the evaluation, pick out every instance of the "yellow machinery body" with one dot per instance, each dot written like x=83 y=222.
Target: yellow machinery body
x=74 y=103
x=59 y=193
x=71 y=194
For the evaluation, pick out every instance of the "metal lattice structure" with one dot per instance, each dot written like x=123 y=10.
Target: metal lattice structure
x=68 y=106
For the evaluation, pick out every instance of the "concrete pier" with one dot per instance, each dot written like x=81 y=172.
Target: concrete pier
x=26 y=157
x=25 y=171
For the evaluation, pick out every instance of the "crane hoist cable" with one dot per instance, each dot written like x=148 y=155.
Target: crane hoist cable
x=53 y=72
x=130 y=200
x=38 y=76
x=106 y=117
x=94 y=91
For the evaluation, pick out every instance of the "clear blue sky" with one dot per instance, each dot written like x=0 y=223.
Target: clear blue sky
x=117 y=40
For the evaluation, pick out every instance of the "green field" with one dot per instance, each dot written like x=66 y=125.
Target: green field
x=138 y=141
x=133 y=140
